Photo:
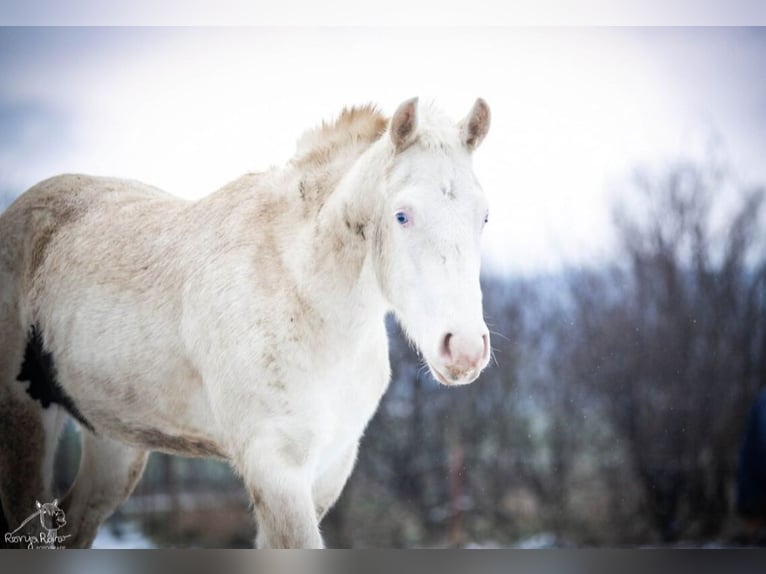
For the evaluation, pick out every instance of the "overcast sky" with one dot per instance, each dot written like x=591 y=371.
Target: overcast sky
x=574 y=110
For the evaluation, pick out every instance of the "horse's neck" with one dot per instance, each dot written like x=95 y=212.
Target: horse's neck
x=339 y=260
x=328 y=254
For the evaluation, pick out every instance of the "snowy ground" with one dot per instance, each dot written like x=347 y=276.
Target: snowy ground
x=127 y=535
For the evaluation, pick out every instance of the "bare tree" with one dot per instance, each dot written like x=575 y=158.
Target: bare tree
x=677 y=329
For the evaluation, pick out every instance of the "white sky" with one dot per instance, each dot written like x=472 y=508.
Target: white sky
x=574 y=110
x=392 y=13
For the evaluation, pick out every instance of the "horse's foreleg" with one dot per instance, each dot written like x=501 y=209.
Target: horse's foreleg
x=281 y=493
x=329 y=485
x=22 y=434
x=109 y=471
x=22 y=440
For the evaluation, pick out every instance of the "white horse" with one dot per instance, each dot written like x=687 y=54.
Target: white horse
x=248 y=325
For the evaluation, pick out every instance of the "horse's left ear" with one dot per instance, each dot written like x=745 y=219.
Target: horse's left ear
x=55 y=502
x=37 y=503
x=404 y=124
x=474 y=127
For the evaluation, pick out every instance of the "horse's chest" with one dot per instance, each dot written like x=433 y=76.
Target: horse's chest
x=348 y=396
x=357 y=399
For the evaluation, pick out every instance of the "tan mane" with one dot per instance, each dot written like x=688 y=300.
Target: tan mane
x=325 y=153
x=354 y=126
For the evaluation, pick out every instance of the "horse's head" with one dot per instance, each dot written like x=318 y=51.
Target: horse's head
x=51 y=516
x=427 y=251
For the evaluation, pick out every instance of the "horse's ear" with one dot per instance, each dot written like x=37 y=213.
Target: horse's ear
x=404 y=124
x=475 y=125
x=55 y=502
x=37 y=503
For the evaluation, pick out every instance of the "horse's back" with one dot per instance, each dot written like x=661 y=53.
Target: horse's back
x=37 y=218
x=69 y=194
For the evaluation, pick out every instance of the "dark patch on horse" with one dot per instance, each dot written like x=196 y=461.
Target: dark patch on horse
x=269 y=361
x=183 y=445
x=277 y=385
x=302 y=190
x=46 y=223
x=39 y=370
x=360 y=230
x=135 y=471
x=39 y=247
x=457 y=373
x=130 y=396
x=255 y=496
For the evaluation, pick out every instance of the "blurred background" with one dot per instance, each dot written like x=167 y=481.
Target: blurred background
x=624 y=264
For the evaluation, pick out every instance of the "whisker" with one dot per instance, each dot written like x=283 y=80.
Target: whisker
x=499 y=334
x=493 y=357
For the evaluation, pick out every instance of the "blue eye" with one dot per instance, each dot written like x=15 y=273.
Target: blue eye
x=402 y=218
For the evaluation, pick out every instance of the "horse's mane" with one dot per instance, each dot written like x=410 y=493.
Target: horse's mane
x=355 y=127
x=325 y=153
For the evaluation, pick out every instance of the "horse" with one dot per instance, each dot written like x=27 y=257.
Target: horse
x=248 y=325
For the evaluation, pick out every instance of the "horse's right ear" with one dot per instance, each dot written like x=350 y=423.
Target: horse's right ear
x=404 y=124
x=475 y=126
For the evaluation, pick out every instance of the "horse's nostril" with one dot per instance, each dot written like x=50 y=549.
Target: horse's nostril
x=445 y=350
